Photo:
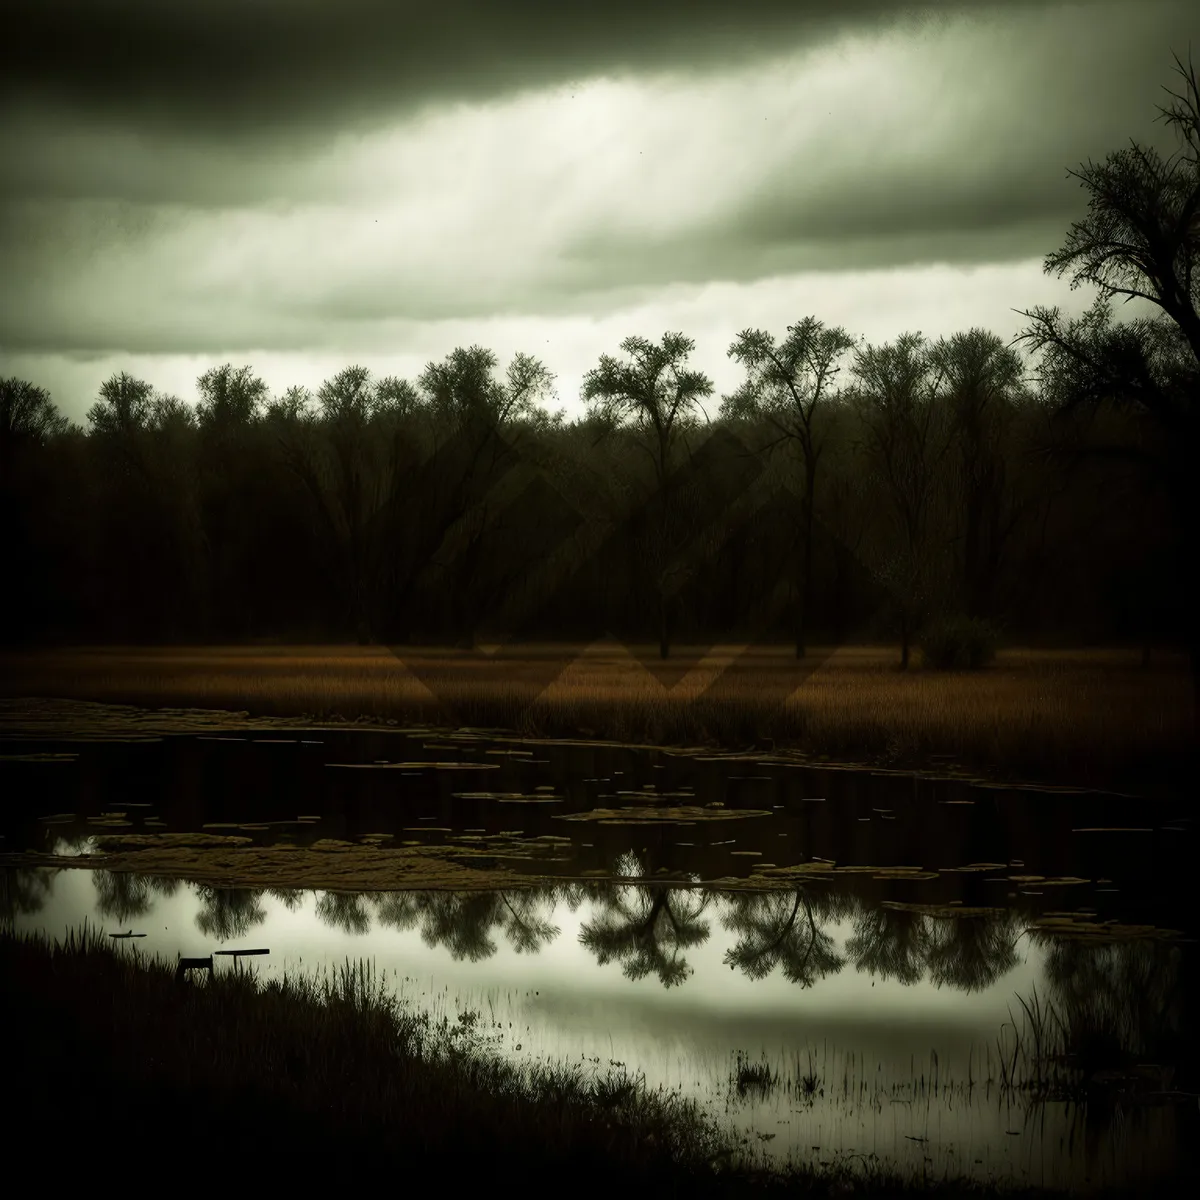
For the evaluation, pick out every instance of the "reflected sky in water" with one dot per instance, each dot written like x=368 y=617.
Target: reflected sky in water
x=819 y=991
x=881 y=1029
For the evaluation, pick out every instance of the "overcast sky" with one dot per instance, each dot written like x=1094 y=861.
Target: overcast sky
x=302 y=185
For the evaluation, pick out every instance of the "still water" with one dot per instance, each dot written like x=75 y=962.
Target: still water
x=845 y=966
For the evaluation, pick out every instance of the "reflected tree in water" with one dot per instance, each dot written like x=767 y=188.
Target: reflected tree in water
x=891 y=943
x=1113 y=1001
x=573 y=894
x=123 y=896
x=228 y=912
x=463 y=921
x=24 y=892
x=345 y=911
x=290 y=898
x=972 y=953
x=778 y=929
x=646 y=929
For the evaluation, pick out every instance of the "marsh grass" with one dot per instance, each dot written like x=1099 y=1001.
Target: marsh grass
x=1091 y=718
x=297 y=1080
x=1050 y=1058
x=236 y=1065
x=752 y=1078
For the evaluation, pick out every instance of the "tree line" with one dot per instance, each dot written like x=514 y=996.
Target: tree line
x=843 y=489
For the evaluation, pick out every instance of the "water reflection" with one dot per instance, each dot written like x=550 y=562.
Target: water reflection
x=123 y=896
x=463 y=922
x=646 y=930
x=757 y=941
x=227 y=913
x=1115 y=1002
x=975 y=1048
x=776 y=930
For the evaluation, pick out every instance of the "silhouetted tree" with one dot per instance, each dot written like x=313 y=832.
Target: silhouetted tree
x=786 y=384
x=1140 y=238
x=29 y=422
x=143 y=565
x=27 y=418
x=493 y=425
x=982 y=379
x=906 y=438
x=657 y=396
x=231 y=484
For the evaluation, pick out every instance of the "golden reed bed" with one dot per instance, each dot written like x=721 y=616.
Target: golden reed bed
x=1091 y=717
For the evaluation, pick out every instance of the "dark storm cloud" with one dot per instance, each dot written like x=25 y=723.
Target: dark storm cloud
x=214 y=178
x=241 y=68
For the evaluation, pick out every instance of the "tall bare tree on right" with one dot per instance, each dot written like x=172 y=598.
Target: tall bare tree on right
x=1140 y=238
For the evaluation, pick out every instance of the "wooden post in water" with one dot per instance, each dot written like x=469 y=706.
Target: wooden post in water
x=238 y=955
x=193 y=964
x=206 y=964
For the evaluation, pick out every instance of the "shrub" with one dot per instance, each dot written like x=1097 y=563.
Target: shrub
x=958 y=643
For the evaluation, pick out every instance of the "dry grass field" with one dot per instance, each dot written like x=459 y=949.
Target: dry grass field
x=1087 y=717
x=1091 y=718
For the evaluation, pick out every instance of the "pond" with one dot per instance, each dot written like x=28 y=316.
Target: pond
x=953 y=977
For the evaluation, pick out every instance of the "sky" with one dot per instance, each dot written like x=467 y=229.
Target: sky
x=301 y=185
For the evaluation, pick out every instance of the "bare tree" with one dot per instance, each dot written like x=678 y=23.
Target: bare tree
x=982 y=379
x=27 y=415
x=1140 y=238
x=906 y=441
x=786 y=385
x=657 y=396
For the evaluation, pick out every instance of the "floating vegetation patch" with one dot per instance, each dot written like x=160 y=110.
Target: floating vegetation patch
x=807 y=870
x=511 y=797
x=417 y=766
x=646 y=794
x=1113 y=829
x=897 y=871
x=1099 y=931
x=113 y=843
x=635 y=816
x=943 y=910
x=39 y=758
